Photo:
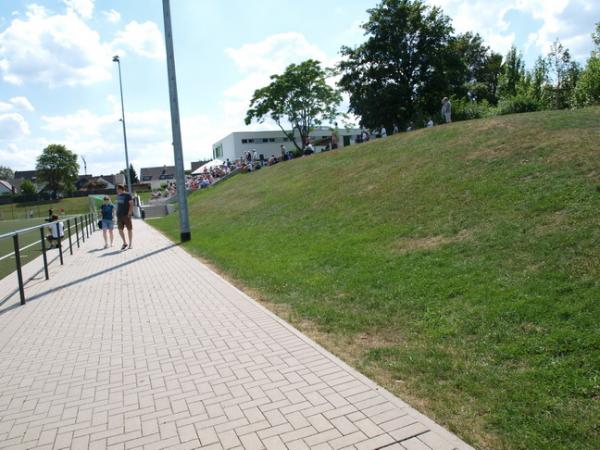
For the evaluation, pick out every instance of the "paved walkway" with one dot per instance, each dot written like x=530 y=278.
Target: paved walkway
x=150 y=349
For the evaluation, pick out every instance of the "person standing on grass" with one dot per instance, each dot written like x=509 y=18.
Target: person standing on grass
x=447 y=110
x=107 y=210
x=124 y=213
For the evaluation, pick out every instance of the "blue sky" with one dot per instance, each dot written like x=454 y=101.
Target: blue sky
x=58 y=84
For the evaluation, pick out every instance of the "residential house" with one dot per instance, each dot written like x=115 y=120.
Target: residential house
x=157 y=176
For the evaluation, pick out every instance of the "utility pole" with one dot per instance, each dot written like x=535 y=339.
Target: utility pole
x=84 y=165
x=127 y=172
x=184 y=224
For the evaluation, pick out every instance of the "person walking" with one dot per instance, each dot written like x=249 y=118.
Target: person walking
x=107 y=212
x=447 y=110
x=124 y=213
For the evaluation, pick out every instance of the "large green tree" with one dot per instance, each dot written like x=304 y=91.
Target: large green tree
x=401 y=68
x=58 y=167
x=6 y=173
x=297 y=100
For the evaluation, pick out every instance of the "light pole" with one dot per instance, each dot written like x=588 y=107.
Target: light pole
x=127 y=171
x=184 y=224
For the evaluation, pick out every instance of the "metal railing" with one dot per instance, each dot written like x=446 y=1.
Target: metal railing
x=84 y=225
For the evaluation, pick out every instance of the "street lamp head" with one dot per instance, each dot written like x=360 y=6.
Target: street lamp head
x=116 y=58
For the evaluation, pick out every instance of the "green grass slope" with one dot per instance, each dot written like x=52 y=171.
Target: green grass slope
x=459 y=266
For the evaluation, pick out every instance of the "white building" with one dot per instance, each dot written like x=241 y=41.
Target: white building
x=268 y=143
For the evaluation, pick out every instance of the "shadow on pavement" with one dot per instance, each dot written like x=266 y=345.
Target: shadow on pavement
x=89 y=277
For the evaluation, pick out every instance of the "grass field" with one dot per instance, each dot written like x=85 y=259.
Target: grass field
x=459 y=266
x=66 y=206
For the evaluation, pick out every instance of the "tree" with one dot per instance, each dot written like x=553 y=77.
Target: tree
x=132 y=174
x=564 y=73
x=596 y=38
x=58 y=167
x=28 y=188
x=400 y=70
x=299 y=98
x=587 y=90
x=6 y=173
x=512 y=74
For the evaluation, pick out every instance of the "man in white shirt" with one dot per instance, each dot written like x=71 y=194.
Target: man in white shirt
x=383 y=132
x=57 y=232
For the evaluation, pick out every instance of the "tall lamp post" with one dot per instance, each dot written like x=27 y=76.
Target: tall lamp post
x=184 y=224
x=127 y=171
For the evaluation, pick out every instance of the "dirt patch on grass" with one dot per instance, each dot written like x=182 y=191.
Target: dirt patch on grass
x=428 y=243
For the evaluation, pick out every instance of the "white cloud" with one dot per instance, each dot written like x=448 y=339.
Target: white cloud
x=53 y=49
x=99 y=137
x=569 y=20
x=258 y=61
x=112 y=16
x=85 y=8
x=22 y=103
x=13 y=126
x=144 y=39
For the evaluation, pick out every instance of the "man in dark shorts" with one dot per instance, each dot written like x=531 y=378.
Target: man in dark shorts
x=124 y=213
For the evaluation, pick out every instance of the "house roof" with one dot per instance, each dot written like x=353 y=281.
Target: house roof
x=157 y=173
x=5 y=187
x=82 y=181
x=26 y=174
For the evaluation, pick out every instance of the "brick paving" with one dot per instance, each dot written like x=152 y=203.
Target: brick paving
x=149 y=349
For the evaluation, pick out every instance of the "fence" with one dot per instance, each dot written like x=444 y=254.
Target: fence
x=77 y=229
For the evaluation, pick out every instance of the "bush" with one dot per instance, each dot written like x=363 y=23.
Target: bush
x=464 y=109
x=517 y=104
x=28 y=188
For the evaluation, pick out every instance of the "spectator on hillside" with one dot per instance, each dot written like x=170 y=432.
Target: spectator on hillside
x=309 y=149
x=447 y=110
x=57 y=231
x=334 y=137
x=283 y=152
x=429 y=123
x=383 y=132
x=395 y=130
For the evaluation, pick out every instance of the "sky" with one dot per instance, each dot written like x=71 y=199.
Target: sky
x=58 y=83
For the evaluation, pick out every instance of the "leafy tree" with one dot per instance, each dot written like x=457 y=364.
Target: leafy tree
x=512 y=74
x=28 y=188
x=58 y=167
x=132 y=174
x=539 y=81
x=596 y=38
x=6 y=173
x=564 y=73
x=489 y=76
x=587 y=90
x=400 y=70
x=465 y=66
x=300 y=98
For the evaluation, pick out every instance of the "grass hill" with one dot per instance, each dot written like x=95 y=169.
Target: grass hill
x=459 y=266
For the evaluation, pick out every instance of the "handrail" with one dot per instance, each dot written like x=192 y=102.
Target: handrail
x=35 y=227
x=88 y=226
x=25 y=230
